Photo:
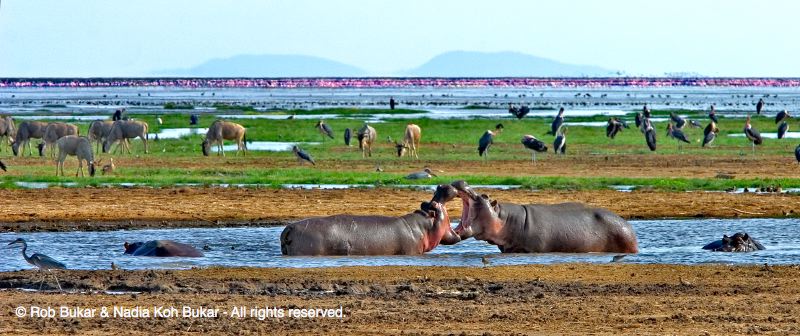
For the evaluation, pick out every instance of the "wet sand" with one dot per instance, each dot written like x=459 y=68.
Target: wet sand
x=607 y=299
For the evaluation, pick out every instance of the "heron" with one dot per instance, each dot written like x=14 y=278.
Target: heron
x=348 y=134
x=713 y=114
x=797 y=153
x=679 y=121
x=710 y=133
x=752 y=134
x=649 y=134
x=43 y=262
x=535 y=145
x=613 y=127
x=302 y=155
x=782 y=116
x=782 y=129
x=557 y=122
x=3 y=166
x=324 y=129
x=487 y=139
x=560 y=143
x=759 y=105
x=424 y=174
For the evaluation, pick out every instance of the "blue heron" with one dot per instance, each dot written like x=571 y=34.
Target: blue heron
x=752 y=134
x=557 y=122
x=710 y=133
x=487 y=139
x=43 y=262
x=424 y=174
x=535 y=145
x=713 y=114
x=782 y=116
x=560 y=143
x=759 y=105
x=302 y=155
x=649 y=134
x=782 y=129
x=324 y=129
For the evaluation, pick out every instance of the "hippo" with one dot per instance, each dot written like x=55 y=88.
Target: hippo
x=537 y=228
x=412 y=234
x=161 y=248
x=739 y=242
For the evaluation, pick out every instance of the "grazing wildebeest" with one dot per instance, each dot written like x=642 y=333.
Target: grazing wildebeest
x=8 y=129
x=222 y=130
x=78 y=146
x=98 y=131
x=126 y=129
x=26 y=131
x=53 y=132
x=366 y=136
x=410 y=141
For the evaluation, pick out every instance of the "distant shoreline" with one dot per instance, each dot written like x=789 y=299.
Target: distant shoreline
x=395 y=82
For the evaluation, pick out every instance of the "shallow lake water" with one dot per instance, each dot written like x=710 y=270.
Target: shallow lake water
x=660 y=242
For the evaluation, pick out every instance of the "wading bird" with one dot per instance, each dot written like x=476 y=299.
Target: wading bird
x=324 y=129
x=302 y=155
x=557 y=122
x=752 y=134
x=535 y=145
x=649 y=134
x=613 y=127
x=43 y=262
x=759 y=105
x=487 y=139
x=424 y=174
x=560 y=143
x=782 y=116
x=646 y=111
x=710 y=133
x=639 y=121
x=713 y=114
x=678 y=120
x=782 y=129
x=677 y=134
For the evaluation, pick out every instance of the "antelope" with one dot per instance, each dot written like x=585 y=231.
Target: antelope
x=222 y=130
x=98 y=131
x=52 y=133
x=366 y=136
x=126 y=129
x=410 y=141
x=26 y=131
x=78 y=146
x=8 y=129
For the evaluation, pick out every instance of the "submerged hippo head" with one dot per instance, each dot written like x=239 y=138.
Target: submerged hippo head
x=739 y=242
x=479 y=214
x=131 y=247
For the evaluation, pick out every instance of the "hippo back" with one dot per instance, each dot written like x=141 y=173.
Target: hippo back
x=163 y=248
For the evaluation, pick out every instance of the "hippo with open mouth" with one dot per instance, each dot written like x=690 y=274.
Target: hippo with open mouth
x=739 y=242
x=161 y=248
x=535 y=228
x=412 y=234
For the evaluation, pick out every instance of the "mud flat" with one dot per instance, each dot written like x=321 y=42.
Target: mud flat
x=535 y=299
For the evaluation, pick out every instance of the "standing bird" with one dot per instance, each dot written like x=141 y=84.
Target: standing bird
x=613 y=127
x=676 y=133
x=782 y=116
x=679 y=121
x=560 y=143
x=348 y=134
x=324 y=129
x=424 y=174
x=302 y=155
x=535 y=145
x=513 y=110
x=519 y=113
x=557 y=122
x=487 y=139
x=43 y=262
x=752 y=134
x=782 y=129
x=649 y=135
x=159 y=121
x=3 y=166
x=759 y=105
x=713 y=114
x=797 y=153
x=710 y=133
x=193 y=119
x=639 y=121
x=694 y=124
x=646 y=111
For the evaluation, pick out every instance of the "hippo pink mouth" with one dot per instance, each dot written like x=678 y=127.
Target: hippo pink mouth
x=465 y=223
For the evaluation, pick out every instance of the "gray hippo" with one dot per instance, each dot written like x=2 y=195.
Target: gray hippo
x=533 y=228
x=739 y=242
x=161 y=248
x=411 y=234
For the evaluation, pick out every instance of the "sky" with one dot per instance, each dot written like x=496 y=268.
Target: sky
x=102 y=38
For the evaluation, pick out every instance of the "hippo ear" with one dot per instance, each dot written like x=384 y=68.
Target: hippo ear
x=746 y=237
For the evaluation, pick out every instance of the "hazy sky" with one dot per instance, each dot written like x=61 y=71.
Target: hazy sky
x=136 y=38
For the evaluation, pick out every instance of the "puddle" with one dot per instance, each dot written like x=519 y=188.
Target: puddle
x=177 y=133
x=272 y=146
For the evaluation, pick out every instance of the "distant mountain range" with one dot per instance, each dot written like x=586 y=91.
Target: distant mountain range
x=450 y=64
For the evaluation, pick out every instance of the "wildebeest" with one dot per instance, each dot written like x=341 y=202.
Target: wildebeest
x=366 y=137
x=222 y=130
x=26 y=131
x=53 y=132
x=126 y=129
x=78 y=146
x=410 y=141
x=8 y=129
x=98 y=131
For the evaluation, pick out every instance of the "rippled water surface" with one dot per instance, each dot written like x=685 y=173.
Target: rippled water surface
x=660 y=241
